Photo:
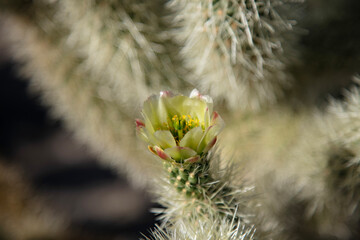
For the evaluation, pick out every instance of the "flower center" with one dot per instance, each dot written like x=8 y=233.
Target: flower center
x=180 y=125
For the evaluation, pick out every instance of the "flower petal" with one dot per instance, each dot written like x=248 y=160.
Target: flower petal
x=217 y=120
x=180 y=153
x=149 y=113
x=154 y=112
x=166 y=94
x=164 y=139
x=161 y=110
x=207 y=118
x=196 y=94
x=192 y=138
x=152 y=150
x=161 y=153
x=210 y=145
x=217 y=124
x=158 y=112
x=174 y=105
x=195 y=108
x=182 y=105
x=205 y=98
x=192 y=159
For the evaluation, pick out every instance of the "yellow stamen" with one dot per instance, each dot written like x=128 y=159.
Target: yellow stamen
x=179 y=126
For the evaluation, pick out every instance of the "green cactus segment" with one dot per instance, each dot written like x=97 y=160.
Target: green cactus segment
x=190 y=179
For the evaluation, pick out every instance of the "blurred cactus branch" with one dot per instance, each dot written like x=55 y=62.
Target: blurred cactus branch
x=243 y=43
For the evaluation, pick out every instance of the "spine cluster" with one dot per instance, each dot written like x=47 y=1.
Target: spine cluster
x=236 y=49
x=191 y=179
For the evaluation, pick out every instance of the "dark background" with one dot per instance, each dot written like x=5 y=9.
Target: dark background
x=62 y=172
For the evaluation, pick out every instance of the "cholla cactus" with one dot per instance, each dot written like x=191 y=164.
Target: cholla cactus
x=235 y=48
x=343 y=166
x=124 y=36
x=277 y=169
x=45 y=43
x=181 y=131
x=210 y=230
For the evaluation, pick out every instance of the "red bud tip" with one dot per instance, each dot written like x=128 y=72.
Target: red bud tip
x=161 y=153
x=192 y=159
x=151 y=150
x=139 y=123
x=215 y=116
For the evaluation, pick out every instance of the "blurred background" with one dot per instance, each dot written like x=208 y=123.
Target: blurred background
x=95 y=202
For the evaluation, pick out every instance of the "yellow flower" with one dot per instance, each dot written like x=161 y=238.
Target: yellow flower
x=178 y=128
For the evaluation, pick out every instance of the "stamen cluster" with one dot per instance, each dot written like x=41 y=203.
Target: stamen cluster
x=179 y=126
